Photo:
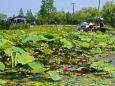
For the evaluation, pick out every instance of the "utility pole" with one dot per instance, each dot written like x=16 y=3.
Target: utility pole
x=99 y=5
x=73 y=12
x=73 y=7
x=99 y=8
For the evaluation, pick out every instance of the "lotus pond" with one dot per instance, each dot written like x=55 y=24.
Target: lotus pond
x=57 y=56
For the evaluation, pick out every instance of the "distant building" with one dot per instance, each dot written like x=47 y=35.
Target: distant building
x=19 y=19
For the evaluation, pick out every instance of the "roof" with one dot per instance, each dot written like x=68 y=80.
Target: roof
x=18 y=17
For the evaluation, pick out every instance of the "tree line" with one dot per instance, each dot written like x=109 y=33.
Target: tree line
x=49 y=15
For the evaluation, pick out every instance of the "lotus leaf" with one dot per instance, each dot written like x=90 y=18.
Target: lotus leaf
x=109 y=68
x=2 y=66
x=41 y=37
x=85 y=44
x=8 y=51
x=102 y=44
x=31 y=37
x=47 y=51
x=3 y=82
x=54 y=75
x=17 y=49
x=35 y=65
x=99 y=64
x=98 y=50
x=25 y=59
x=66 y=43
x=5 y=43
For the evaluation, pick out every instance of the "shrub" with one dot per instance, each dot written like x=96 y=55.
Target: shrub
x=19 y=26
x=4 y=25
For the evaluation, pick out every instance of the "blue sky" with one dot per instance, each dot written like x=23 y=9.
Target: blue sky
x=11 y=7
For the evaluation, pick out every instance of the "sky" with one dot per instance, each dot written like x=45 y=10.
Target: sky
x=12 y=7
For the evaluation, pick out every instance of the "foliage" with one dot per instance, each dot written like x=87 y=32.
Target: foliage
x=47 y=50
x=47 y=7
x=31 y=37
x=2 y=66
x=54 y=75
x=60 y=18
x=47 y=11
x=4 y=25
x=19 y=26
x=21 y=12
x=30 y=17
x=2 y=16
x=25 y=59
x=35 y=65
x=87 y=14
x=108 y=11
x=67 y=44
x=5 y=43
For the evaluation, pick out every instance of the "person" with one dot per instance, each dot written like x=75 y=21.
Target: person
x=35 y=22
x=101 y=22
x=91 y=25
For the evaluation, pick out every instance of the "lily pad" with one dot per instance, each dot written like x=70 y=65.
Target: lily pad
x=2 y=66
x=25 y=59
x=3 y=82
x=54 y=75
x=35 y=65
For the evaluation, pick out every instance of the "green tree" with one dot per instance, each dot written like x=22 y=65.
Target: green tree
x=21 y=12
x=86 y=14
x=30 y=16
x=69 y=17
x=41 y=19
x=2 y=16
x=47 y=7
x=47 y=11
x=108 y=12
x=60 y=18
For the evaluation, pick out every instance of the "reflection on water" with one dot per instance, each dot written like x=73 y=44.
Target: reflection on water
x=74 y=80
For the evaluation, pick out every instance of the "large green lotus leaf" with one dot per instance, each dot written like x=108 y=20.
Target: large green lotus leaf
x=8 y=51
x=50 y=37
x=112 y=74
x=112 y=40
x=29 y=49
x=85 y=38
x=20 y=31
x=102 y=44
x=17 y=49
x=47 y=51
x=41 y=37
x=5 y=43
x=54 y=75
x=45 y=45
x=101 y=40
x=41 y=70
x=31 y=37
x=2 y=66
x=12 y=36
x=35 y=65
x=109 y=68
x=3 y=82
x=99 y=32
x=85 y=44
x=98 y=50
x=66 y=44
x=25 y=59
x=98 y=64
x=101 y=36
